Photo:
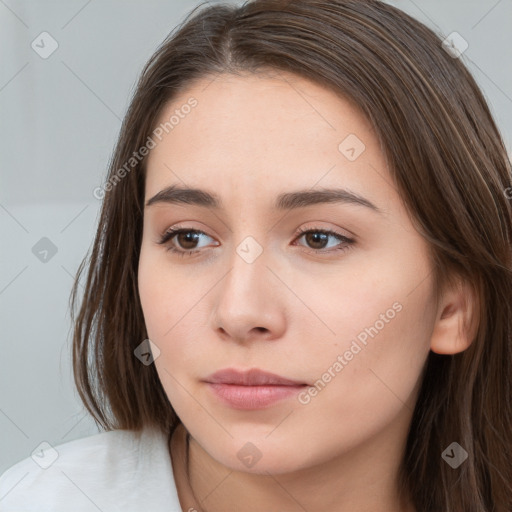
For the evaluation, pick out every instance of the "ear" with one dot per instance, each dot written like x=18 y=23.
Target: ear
x=456 y=319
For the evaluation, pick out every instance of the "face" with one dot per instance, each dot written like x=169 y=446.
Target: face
x=328 y=292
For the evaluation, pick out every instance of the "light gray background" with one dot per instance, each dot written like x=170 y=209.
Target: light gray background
x=59 y=119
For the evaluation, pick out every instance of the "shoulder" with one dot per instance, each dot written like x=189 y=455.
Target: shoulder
x=119 y=470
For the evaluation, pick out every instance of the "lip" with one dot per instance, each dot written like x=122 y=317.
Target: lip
x=251 y=389
x=252 y=377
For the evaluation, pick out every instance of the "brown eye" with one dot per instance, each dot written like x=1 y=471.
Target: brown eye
x=318 y=240
x=182 y=241
x=187 y=239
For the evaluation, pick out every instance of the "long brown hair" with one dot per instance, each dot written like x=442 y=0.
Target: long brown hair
x=449 y=164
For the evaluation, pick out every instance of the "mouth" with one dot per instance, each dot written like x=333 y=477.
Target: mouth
x=252 y=377
x=251 y=389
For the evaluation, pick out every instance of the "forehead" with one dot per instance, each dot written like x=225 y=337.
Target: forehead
x=262 y=133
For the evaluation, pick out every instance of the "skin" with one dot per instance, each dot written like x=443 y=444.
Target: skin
x=291 y=312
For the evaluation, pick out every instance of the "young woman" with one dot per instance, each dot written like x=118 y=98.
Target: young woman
x=299 y=296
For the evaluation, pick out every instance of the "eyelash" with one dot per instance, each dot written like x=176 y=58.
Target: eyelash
x=171 y=233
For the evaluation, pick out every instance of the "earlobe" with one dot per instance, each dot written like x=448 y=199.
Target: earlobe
x=456 y=320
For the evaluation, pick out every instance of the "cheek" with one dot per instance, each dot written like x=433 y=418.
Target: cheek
x=370 y=367
x=173 y=304
x=150 y=293
x=165 y=316
x=355 y=399
x=163 y=298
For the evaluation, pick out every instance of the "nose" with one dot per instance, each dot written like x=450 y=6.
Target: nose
x=250 y=303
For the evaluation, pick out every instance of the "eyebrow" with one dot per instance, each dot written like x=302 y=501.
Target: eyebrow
x=175 y=194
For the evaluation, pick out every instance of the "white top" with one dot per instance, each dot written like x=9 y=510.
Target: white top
x=116 y=471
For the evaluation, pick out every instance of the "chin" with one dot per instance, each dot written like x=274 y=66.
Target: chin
x=260 y=455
